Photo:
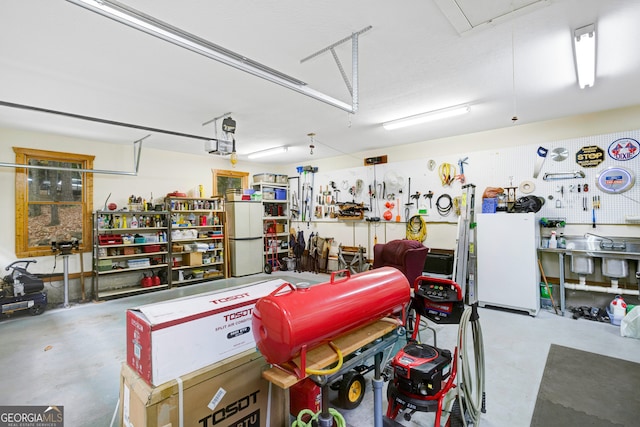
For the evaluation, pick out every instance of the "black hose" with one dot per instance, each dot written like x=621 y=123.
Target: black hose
x=446 y=209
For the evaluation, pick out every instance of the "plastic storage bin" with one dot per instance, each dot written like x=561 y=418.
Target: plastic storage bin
x=268 y=195
x=280 y=194
x=268 y=178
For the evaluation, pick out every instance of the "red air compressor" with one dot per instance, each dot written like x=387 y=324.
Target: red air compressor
x=423 y=375
x=293 y=319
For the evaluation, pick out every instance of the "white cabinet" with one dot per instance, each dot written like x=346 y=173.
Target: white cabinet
x=245 y=237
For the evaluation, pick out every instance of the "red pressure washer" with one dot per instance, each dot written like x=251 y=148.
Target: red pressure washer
x=424 y=376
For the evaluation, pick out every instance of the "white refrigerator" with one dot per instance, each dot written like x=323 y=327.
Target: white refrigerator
x=507 y=269
x=246 y=241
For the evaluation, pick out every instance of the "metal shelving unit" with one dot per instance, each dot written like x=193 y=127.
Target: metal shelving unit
x=126 y=250
x=275 y=219
x=197 y=239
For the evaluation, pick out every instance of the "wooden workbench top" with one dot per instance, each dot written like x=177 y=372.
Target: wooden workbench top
x=323 y=355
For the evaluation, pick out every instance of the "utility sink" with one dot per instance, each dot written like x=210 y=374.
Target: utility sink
x=614 y=252
x=604 y=247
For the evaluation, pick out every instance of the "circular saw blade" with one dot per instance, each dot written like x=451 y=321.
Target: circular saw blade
x=559 y=154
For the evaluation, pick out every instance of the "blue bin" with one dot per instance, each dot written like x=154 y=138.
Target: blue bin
x=281 y=194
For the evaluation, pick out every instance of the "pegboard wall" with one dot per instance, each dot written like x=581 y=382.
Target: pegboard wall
x=506 y=167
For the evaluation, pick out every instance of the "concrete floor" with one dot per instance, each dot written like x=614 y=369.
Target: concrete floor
x=72 y=357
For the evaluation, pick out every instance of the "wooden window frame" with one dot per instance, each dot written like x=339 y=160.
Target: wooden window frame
x=244 y=176
x=23 y=155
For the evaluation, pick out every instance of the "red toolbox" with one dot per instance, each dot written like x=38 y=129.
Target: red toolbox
x=109 y=239
x=151 y=248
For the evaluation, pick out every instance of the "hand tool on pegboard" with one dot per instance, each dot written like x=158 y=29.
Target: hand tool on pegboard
x=542 y=155
x=407 y=206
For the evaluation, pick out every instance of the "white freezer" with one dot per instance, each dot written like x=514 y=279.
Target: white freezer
x=507 y=270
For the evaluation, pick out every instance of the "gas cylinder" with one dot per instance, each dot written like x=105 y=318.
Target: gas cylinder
x=293 y=317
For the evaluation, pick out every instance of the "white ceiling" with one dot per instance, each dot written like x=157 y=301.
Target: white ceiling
x=420 y=55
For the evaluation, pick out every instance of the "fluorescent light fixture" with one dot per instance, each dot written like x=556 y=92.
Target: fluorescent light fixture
x=429 y=116
x=268 y=152
x=145 y=23
x=584 y=40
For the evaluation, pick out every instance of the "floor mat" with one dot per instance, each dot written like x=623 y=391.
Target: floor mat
x=579 y=388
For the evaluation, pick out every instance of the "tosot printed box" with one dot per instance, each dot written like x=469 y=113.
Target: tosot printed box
x=168 y=339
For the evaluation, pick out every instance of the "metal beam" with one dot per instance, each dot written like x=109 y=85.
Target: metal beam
x=136 y=164
x=352 y=86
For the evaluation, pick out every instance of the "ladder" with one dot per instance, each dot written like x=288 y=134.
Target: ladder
x=464 y=268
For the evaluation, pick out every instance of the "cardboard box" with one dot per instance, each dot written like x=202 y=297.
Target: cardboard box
x=228 y=393
x=192 y=258
x=172 y=338
x=128 y=251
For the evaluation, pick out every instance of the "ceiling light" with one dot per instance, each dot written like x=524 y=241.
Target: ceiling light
x=427 y=117
x=269 y=152
x=584 y=40
x=140 y=21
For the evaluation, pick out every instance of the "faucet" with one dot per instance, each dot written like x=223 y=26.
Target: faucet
x=586 y=235
x=608 y=245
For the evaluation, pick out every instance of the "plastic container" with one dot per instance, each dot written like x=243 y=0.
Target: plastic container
x=281 y=194
x=268 y=178
x=617 y=310
x=140 y=262
x=553 y=241
x=281 y=179
x=268 y=195
x=489 y=205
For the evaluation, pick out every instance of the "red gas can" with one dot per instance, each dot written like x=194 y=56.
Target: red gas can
x=292 y=317
x=304 y=395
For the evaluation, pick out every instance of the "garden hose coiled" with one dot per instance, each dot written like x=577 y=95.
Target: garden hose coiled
x=299 y=422
x=416 y=228
x=471 y=389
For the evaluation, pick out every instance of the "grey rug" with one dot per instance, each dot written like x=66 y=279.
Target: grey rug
x=579 y=388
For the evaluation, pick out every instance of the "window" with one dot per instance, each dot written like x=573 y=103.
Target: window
x=225 y=179
x=52 y=204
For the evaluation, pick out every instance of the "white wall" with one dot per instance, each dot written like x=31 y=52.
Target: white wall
x=162 y=172
x=442 y=234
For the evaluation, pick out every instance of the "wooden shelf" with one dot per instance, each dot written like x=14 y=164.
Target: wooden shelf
x=323 y=355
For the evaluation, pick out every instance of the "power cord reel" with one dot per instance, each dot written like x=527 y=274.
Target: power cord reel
x=416 y=228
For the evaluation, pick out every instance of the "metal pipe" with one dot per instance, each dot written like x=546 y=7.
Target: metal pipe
x=378 y=383
x=66 y=280
x=136 y=161
x=586 y=235
x=104 y=121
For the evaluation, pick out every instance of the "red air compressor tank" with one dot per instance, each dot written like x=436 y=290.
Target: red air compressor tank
x=290 y=318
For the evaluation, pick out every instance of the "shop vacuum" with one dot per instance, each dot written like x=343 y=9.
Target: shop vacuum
x=22 y=290
x=423 y=377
